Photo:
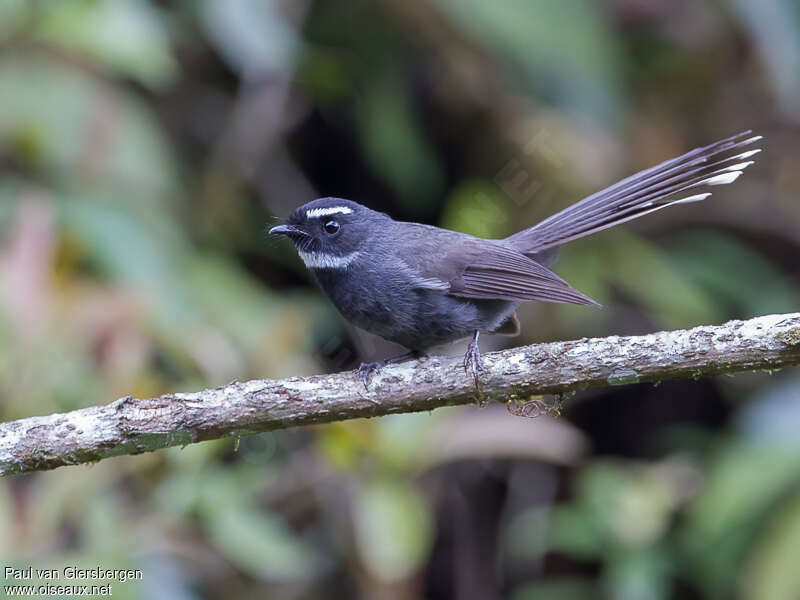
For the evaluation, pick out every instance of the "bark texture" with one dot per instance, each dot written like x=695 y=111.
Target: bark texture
x=132 y=426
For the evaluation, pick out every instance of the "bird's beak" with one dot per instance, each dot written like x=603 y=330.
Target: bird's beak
x=286 y=230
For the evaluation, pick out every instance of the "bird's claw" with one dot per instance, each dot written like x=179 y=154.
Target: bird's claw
x=473 y=362
x=366 y=371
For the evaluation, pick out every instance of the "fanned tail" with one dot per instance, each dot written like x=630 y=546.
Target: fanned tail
x=642 y=193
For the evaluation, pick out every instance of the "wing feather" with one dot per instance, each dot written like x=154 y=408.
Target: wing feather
x=461 y=265
x=505 y=274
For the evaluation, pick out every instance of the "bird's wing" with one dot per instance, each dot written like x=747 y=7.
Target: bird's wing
x=505 y=274
x=469 y=267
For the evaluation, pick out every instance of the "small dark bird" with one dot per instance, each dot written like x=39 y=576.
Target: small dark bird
x=420 y=286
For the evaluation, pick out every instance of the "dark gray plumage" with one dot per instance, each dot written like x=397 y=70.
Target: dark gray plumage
x=421 y=286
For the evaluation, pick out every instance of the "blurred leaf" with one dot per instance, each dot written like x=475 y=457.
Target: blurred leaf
x=339 y=444
x=256 y=541
x=103 y=513
x=12 y=14
x=631 y=510
x=393 y=529
x=327 y=74
x=476 y=207
x=743 y=484
x=9 y=201
x=201 y=305
x=128 y=36
x=671 y=299
x=92 y=131
x=6 y=520
x=203 y=488
x=618 y=510
x=66 y=497
x=400 y=443
x=638 y=575
x=586 y=268
x=576 y=531
x=396 y=146
x=401 y=440
x=526 y=535
x=774 y=26
x=772 y=571
x=136 y=254
x=252 y=35
x=557 y=589
x=167 y=578
x=772 y=415
x=260 y=544
x=181 y=492
x=193 y=458
x=577 y=70
x=29 y=122
x=734 y=273
x=57 y=375
x=260 y=319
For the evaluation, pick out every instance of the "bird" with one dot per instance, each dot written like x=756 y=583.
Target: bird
x=421 y=286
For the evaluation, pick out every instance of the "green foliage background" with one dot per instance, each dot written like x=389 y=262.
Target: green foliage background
x=144 y=148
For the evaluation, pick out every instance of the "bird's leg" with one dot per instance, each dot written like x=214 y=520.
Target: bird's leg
x=366 y=370
x=472 y=359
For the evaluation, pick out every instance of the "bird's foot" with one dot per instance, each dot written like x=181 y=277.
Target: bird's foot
x=366 y=370
x=473 y=361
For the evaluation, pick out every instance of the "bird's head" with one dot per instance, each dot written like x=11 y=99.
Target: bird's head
x=329 y=233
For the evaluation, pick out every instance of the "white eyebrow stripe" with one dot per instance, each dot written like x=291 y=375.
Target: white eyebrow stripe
x=324 y=212
x=320 y=260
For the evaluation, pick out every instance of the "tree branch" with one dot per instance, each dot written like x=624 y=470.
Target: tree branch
x=133 y=426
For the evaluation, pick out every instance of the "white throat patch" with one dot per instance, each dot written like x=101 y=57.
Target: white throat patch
x=325 y=212
x=320 y=260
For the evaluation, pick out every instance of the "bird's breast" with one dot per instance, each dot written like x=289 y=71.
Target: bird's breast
x=365 y=294
x=386 y=302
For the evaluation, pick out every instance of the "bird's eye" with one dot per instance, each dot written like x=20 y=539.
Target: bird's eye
x=331 y=227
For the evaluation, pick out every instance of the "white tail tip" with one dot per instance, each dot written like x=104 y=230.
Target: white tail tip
x=747 y=154
x=740 y=166
x=722 y=179
x=695 y=198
